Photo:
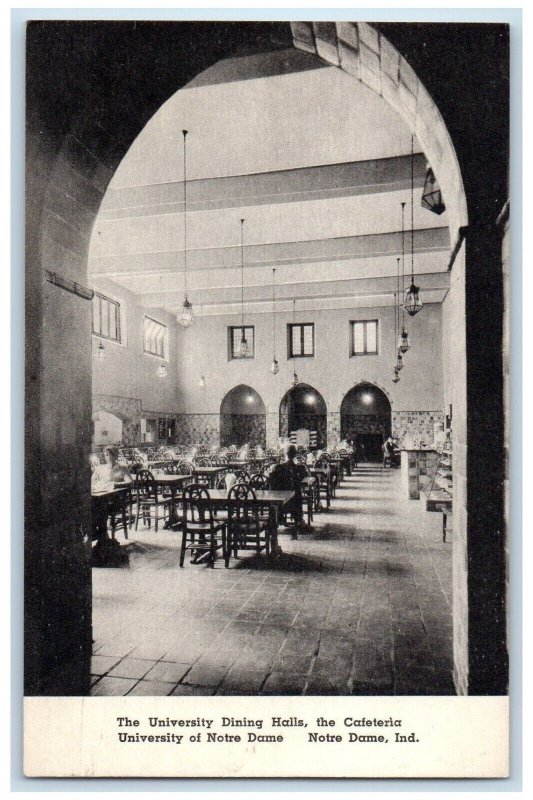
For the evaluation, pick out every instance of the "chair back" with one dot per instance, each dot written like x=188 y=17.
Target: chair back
x=241 y=511
x=203 y=461
x=323 y=462
x=243 y=476
x=185 y=467
x=258 y=481
x=145 y=485
x=197 y=508
x=173 y=468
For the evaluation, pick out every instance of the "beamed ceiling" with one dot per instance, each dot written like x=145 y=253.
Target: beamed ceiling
x=314 y=161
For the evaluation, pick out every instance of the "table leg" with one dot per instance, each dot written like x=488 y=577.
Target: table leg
x=275 y=549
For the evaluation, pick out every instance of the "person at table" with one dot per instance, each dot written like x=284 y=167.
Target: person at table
x=288 y=477
x=106 y=475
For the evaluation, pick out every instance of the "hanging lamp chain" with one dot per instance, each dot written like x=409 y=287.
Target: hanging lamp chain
x=274 y=309
x=185 y=212
x=403 y=264
x=412 y=208
x=242 y=280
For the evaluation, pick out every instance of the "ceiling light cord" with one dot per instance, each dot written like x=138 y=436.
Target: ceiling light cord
x=185 y=212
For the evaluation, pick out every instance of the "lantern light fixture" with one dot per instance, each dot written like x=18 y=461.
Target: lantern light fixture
x=403 y=339
x=274 y=367
x=243 y=349
x=413 y=303
x=431 y=193
x=162 y=370
x=100 y=353
x=185 y=315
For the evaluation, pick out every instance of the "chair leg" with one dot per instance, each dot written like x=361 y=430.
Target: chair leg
x=137 y=515
x=124 y=522
x=183 y=545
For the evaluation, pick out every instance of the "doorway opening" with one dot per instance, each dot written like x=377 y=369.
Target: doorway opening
x=303 y=409
x=242 y=418
x=366 y=420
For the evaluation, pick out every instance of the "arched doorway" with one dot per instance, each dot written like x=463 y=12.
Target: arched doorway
x=242 y=418
x=103 y=141
x=366 y=419
x=302 y=407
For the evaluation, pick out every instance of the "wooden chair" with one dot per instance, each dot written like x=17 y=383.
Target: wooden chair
x=324 y=481
x=120 y=512
x=202 y=532
x=247 y=528
x=149 y=500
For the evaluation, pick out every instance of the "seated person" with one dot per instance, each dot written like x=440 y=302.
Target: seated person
x=288 y=476
x=106 y=475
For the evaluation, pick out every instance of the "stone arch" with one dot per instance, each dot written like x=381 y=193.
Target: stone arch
x=72 y=170
x=242 y=417
x=303 y=407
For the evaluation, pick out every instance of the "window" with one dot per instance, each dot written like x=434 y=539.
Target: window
x=106 y=317
x=234 y=341
x=301 y=340
x=365 y=337
x=155 y=337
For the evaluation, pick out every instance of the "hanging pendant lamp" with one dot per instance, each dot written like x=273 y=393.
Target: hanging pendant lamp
x=243 y=348
x=412 y=304
x=295 y=380
x=162 y=370
x=397 y=336
x=274 y=367
x=100 y=353
x=403 y=338
x=431 y=193
x=396 y=377
x=185 y=316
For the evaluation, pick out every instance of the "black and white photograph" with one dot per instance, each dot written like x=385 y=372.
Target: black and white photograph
x=267 y=359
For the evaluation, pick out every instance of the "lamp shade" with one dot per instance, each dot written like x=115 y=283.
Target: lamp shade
x=396 y=377
x=431 y=194
x=413 y=303
x=184 y=316
x=243 y=349
x=403 y=341
x=399 y=362
x=295 y=380
x=274 y=367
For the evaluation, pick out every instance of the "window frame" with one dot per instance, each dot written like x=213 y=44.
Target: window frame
x=240 y=328
x=118 y=339
x=163 y=357
x=302 y=325
x=355 y=353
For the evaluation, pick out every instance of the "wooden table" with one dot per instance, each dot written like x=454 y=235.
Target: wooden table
x=273 y=500
x=107 y=551
x=210 y=473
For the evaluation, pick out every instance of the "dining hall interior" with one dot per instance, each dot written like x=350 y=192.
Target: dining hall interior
x=266 y=359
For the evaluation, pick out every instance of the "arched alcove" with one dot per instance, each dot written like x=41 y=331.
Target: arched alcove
x=366 y=419
x=242 y=418
x=302 y=407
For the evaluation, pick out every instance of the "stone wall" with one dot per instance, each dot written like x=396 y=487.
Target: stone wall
x=352 y=424
x=419 y=425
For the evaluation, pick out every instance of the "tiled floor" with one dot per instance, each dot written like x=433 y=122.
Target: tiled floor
x=362 y=605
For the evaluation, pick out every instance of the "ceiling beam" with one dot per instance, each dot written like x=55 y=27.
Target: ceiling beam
x=266 y=188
